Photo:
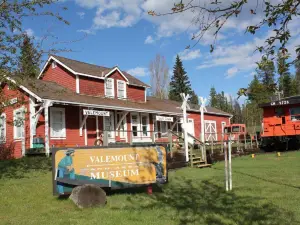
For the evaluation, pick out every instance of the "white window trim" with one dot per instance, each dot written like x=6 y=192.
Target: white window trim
x=113 y=88
x=52 y=109
x=22 y=109
x=125 y=89
x=148 y=125
x=3 y=115
x=53 y=64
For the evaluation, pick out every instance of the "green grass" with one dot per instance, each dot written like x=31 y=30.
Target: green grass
x=266 y=190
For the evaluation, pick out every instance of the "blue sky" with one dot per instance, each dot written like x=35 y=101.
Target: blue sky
x=120 y=32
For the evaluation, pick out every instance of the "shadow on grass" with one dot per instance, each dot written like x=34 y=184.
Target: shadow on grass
x=190 y=202
x=135 y=190
x=20 y=168
x=264 y=179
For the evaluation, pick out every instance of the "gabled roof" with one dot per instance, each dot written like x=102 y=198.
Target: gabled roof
x=52 y=91
x=90 y=70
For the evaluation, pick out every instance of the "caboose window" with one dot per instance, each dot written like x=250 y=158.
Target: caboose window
x=279 y=112
x=235 y=129
x=295 y=113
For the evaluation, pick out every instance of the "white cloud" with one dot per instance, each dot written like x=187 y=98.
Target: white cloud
x=149 y=40
x=189 y=54
x=81 y=14
x=231 y=72
x=138 y=71
x=29 y=32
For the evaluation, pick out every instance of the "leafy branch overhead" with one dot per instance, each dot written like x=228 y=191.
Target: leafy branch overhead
x=212 y=17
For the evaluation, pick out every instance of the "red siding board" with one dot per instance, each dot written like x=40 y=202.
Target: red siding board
x=61 y=76
x=91 y=86
x=136 y=93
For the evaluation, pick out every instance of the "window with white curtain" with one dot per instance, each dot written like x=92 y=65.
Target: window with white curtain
x=2 y=128
x=19 y=121
x=121 y=89
x=135 y=124
x=57 y=123
x=109 y=87
x=144 y=124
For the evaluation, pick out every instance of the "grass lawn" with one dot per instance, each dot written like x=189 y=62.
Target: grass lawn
x=266 y=190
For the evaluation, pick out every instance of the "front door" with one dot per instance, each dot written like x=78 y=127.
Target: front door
x=210 y=130
x=191 y=130
x=109 y=126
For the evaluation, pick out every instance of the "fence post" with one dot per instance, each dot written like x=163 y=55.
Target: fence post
x=153 y=137
x=222 y=143
x=191 y=156
x=226 y=165
x=229 y=164
x=171 y=143
x=251 y=144
x=131 y=137
x=105 y=138
x=238 y=143
x=212 y=146
x=204 y=153
x=245 y=138
x=256 y=140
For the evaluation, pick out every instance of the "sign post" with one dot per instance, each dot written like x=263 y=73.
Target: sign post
x=202 y=109
x=184 y=106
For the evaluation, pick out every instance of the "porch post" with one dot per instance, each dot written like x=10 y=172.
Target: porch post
x=202 y=109
x=47 y=146
x=97 y=127
x=31 y=120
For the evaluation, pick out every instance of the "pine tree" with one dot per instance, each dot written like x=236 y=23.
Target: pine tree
x=294 y=86
x=266 y=72
x=285 y=79
x=29 y=59
x=194 y=98
x=258 y=92
x=237 y=112
x=213 y=102
x=179 y=82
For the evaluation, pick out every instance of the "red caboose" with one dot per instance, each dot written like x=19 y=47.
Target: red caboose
x=281 y=124
x=237 y=131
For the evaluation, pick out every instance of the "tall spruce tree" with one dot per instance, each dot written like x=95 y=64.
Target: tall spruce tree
x=180 y=83
x=213 y=101
x=285 y=78
x=29 y=59
x=266 y=72
x=194 y=98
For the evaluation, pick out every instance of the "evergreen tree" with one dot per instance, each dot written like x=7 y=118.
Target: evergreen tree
x=237 y=112
x=194 y=98
x=29 y=59
x=179 y=82
x=285 y=79
x=266 y=72
x=294 y=86
x=213 y=102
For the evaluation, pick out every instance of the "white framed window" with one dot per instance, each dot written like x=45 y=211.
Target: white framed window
x=19 y=121
x=135 y=123
x=109 y=87
x=54 y=65
x=295 y=113
x=57 y=122
x=121 y=89
x=145 y=128
x=164 y=128
x=3 y=128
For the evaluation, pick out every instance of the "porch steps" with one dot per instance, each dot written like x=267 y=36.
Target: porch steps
x=203 y=165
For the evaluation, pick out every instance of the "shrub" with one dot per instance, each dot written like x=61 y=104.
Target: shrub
x=7 y=151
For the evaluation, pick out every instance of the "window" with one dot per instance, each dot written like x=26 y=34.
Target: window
x=19 y=120
x=235 y=129
x=164 y=128
x=54 y=65
x=135 y=124
x=295 y=114
x=57 y=123
x=121 y=85
x=109 y=87
x=144 y=125
x=279 y=112
x=3 y=128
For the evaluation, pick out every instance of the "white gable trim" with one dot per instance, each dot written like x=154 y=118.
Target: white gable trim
x=116 y=69
x=66 y=67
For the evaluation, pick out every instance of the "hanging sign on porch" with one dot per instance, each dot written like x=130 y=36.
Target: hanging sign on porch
x=88 y=112
x=164 y=118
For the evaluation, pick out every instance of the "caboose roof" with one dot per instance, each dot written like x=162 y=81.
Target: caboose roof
x=283 y=101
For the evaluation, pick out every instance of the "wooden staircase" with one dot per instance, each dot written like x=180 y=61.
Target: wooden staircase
x=197 y=161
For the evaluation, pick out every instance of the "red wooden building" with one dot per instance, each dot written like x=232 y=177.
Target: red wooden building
x=73 y=103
